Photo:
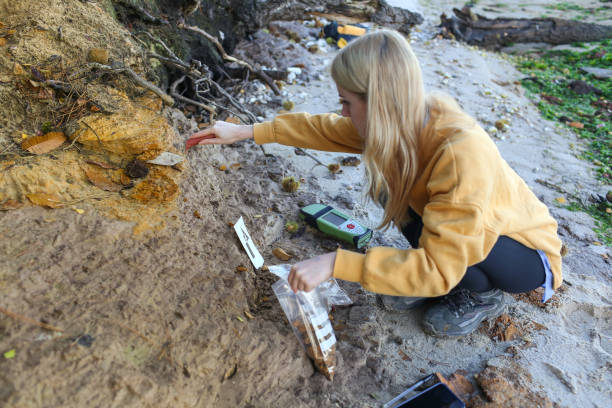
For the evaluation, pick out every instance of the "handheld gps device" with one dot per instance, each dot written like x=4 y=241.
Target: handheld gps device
x=332 y=222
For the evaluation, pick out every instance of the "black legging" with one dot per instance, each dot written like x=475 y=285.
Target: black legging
x=510 y=266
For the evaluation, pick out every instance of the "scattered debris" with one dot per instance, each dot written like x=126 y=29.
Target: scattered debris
x=333 y=168
x=290 y=184
x=350 y=161
x=506 y=384
x=458 y=384
x=292 y=226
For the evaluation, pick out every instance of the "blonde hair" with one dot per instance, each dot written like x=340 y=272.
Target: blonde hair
x=382 y=68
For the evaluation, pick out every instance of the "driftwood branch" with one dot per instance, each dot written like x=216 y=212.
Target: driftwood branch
x=258 y=72
x=136 y=78
x=475 y=29
x=176 y=95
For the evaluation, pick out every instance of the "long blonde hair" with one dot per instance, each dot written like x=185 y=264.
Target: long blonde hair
x=381 y=68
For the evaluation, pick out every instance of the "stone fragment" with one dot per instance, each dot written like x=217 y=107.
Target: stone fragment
x=132 y=130
x=137 y=169
x=157 y=188
x=99 y=55
x=507 y=384
x=99 y=178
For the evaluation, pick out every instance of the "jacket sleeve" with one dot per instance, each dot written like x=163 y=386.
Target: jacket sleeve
x=453 y=238
x=328 y=132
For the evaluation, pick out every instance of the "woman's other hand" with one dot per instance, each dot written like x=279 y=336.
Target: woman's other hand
x=224 y=133
x=308 y=274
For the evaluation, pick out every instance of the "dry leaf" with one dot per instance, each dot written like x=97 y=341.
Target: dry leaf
x=18 y=69
x=43 y=144
x=2 y=42
x=101 y=164
x=281 y=254
x=576 y=125
x=100 y=179
x=404 y=356
x=233 y=119
x=45 y=200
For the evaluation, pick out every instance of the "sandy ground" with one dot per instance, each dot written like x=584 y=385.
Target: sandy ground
x=178 y=317
x=571 y=358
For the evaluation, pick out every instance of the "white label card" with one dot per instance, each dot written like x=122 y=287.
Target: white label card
x=247 y=243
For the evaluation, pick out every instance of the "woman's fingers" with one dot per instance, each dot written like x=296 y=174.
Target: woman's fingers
x=203 y=132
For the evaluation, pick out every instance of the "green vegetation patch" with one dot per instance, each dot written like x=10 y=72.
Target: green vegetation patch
x=584 y=107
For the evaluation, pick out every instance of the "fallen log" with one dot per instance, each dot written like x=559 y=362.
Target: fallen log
x=376 y=11
x=475 y=29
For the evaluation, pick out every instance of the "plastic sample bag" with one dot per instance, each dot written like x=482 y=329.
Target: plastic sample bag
x=308 y=314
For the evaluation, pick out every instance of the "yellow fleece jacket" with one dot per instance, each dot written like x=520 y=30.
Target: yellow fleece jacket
x=465 y=192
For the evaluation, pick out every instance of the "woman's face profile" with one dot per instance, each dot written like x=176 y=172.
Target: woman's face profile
x=354 y=107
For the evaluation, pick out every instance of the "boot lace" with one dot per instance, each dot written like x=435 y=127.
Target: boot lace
x=462 y=301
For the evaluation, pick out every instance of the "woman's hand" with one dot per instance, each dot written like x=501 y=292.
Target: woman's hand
x=224 y=133
x=308 y=274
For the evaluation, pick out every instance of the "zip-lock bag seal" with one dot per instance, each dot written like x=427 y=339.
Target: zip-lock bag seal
x=308 y=315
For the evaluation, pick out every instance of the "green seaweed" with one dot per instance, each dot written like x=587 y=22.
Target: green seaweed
x=548 y=77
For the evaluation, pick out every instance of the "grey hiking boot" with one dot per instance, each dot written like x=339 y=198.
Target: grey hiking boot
x=399 y=303
x=461 y=312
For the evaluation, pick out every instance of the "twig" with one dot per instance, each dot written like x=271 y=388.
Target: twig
x=301 y=152
x=223 y=92
x=136 y=78
x=427 y=358
x=6 y=148
x=160 y=42
x=31 y=321
x=175 y=95
x=225 y=56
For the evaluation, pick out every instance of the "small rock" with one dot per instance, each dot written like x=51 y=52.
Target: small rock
x=136 y=169
x=281 y=254
x=581 y=88
x=85 y=340
x=350 y=161
x=99 y=55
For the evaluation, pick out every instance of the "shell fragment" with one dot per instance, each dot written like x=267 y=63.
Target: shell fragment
x=167 y=159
